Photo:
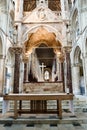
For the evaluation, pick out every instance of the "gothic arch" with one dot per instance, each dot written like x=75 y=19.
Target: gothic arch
x=42 y=36
x=47 y=27
x=75 y=24
x=77 y=55
x=1 y=48
x=1 y=42
x=85 y=41
x=78 y=65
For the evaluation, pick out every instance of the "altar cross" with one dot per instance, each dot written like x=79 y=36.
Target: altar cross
x=42 y=69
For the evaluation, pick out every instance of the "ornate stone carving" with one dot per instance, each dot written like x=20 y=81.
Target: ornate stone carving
x=41 y=14
x=67 y=49
x=16 y=49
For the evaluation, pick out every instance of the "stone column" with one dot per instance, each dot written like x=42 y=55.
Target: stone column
x=18 y=9
x=61 y=60
x=2 y=73
x=85 y=71
x=26 y=72
x=63 y=9
x=62 y=75
x=58 y=69
x=17 y=51
x=75 y=79
x=68 y=65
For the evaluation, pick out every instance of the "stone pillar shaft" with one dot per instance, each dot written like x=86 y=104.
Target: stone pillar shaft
x=75 y=79
x=2 y=73
x=17 y=51
x=68 y=62
x=62 y=75
x=63 y=9
x=16 y=73
x=25 y=72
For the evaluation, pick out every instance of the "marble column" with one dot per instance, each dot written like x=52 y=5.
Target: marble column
x=62 y=75
x=17 y=51
x=61 y=62
x=58 y=69
x=68 y=65
x=26 y=72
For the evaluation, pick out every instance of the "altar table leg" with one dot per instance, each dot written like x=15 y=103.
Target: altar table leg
x=71 y=106
x=15 y=109
x=20 y=106
x=59 y=108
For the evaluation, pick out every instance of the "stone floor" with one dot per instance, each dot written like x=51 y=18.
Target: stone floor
x=43 y=127
x=78 y=121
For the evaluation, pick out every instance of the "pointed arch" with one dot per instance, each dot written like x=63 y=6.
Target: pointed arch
x=42 y=35
x=1 y=50
x=77 y=55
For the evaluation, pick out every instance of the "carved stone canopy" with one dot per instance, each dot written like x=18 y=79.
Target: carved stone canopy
x=41 y=36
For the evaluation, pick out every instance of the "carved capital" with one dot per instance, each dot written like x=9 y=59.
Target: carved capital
x=25 y=59
x=67 y=49
x=16 y=50
x=61 y=58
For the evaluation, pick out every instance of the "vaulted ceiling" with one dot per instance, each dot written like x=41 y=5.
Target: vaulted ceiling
x=54 y=5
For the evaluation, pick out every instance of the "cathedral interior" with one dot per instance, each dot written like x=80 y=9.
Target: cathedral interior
x=43 y=51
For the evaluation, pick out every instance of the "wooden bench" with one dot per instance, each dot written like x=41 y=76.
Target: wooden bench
x=38 y=97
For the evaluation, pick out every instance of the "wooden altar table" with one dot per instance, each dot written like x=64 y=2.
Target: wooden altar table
x=39 y=97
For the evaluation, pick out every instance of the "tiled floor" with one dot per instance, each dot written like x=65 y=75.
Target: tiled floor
x=43 y=127
x=44 y=122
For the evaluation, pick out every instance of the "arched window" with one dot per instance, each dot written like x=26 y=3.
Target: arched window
x=46 y=75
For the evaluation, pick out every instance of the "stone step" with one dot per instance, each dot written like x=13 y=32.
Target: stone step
x=44 y=120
